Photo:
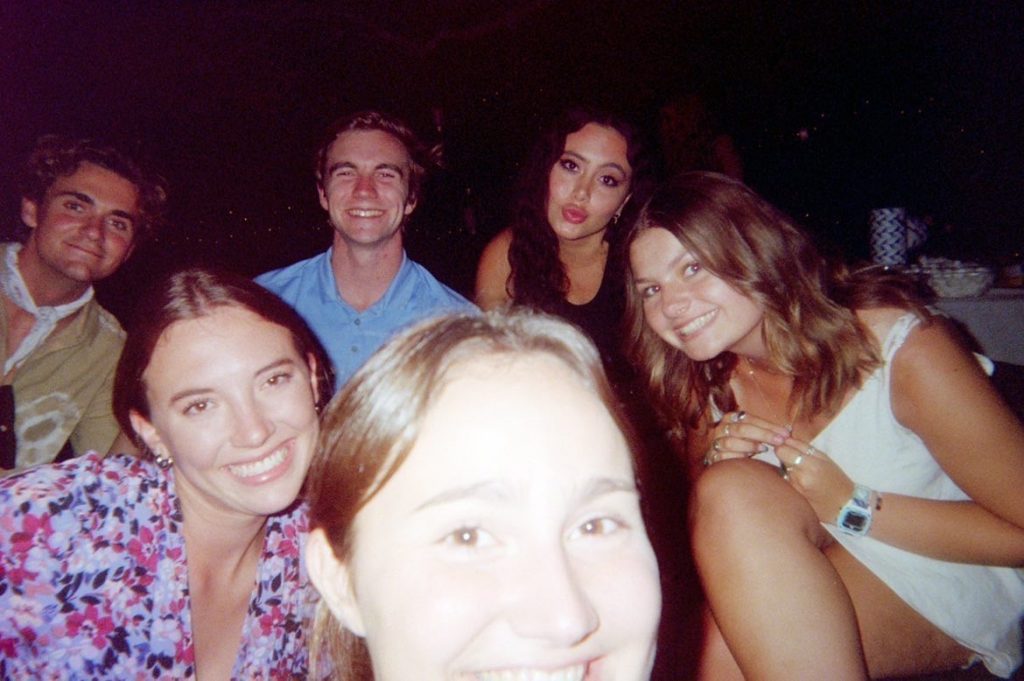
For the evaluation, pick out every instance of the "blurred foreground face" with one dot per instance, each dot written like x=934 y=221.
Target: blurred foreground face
x=510 y=544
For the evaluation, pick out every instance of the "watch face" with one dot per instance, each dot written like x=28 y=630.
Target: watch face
x=854 y=521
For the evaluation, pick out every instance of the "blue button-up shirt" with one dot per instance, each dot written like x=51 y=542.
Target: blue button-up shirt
x=351 y=336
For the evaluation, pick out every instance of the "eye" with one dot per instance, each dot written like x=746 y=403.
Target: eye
x=121 y=226
x=568 y=164
x=343 y=172
x=691 y=268
x=197 y=407
x=74 y=206
x=281 y=378
x=597 y=527
x=469 y=538
x=609 y=181
x=649 y=291
x=387 y=174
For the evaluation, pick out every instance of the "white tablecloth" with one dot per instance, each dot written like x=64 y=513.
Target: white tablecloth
x=996 y=320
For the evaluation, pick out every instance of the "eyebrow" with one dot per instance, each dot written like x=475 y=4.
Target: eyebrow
x=192 y=392
x=85 y=198
x=348 y=164
x=610 y=164
x=492 y=490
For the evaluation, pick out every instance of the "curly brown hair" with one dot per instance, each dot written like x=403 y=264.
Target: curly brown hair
x=57 y=156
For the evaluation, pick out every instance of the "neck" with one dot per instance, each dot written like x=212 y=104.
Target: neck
x=363 y=274
x=583 y=252
x=218 y=539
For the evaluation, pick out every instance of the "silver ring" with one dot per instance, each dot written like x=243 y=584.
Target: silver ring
x=726 y=431
x=739 y=416
x=798 y=460
x=715 y=446
x=811 y=451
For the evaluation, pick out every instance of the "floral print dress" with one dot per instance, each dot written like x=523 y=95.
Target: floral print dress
x=94 y=580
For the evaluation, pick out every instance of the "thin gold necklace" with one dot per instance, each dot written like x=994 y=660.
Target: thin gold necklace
x=764 y=398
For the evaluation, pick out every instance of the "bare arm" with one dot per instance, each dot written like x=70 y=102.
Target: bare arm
x=940 y=392
x=493 y=273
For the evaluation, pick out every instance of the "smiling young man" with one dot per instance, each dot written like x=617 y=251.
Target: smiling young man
x=364 y=288
x=86 y=206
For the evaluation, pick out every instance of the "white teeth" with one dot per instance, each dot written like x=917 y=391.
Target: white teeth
x=248 y=470
x=697 y=324
x=365 y=213
x=574 y=673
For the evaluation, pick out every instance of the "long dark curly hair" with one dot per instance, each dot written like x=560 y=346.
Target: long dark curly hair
x=538 y=277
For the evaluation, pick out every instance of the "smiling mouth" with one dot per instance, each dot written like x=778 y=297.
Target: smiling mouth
x=267 y=463
x=574 y=673
x=365 y=212
x=695 y=325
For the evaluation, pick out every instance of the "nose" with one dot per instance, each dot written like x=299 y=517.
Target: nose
x=92 y=228
x=581 y=190
x=365 y=185
x=675 y=299
x=551 y=601
x=252 y=426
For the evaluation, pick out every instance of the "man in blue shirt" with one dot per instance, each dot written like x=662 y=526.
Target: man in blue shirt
x=364 y=288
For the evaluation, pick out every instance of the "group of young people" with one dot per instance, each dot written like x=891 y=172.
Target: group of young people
x=467 y=505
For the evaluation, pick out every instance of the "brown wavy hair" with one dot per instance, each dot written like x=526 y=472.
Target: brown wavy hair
x=58 y=156
x=420 y=157
x=192 y=294
x=810 y=325
x=538 y=277
x=369 y=429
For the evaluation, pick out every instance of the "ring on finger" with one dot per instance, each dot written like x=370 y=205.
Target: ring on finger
x=716 y=446
x=726 y=431
x=739 y=416
x=798 y=460
x=811 y=451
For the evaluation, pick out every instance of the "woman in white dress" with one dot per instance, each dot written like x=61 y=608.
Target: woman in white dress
x=881 y=533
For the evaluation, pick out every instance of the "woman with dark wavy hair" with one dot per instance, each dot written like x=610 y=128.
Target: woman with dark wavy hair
x=856 y=502
x=560 y=253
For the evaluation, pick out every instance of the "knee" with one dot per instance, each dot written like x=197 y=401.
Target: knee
x=744 y=501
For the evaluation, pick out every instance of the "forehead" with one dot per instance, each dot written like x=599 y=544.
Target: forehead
x=367 y=146
x=228 y=336
x=521 y=419
x=600 y=142
x=98 y=182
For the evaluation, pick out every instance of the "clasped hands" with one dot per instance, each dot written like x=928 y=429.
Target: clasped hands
x=740 y=435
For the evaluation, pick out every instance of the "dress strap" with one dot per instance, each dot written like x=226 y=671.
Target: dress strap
x=898 y=335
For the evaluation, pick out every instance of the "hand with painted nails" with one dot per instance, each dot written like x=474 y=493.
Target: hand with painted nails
x=740 y=435
x=815 y=476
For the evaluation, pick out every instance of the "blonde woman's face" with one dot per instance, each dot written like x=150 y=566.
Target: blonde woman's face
x=510 y=543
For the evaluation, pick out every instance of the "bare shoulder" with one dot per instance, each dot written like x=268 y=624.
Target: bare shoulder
x=493 y=272
x=880 y=320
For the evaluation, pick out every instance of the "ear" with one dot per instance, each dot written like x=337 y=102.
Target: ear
x=322 y=195
x=147 y=433
x=622 y=205
x=332 y=579
x=314 y=376
x=29 y=212
x=410 y=205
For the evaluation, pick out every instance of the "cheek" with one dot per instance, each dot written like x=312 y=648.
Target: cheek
x=402 y=610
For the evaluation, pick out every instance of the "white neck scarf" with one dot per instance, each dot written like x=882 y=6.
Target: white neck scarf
x=46 y=316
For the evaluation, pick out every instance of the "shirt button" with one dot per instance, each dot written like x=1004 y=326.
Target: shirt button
x=355 y=349
x=358 y=321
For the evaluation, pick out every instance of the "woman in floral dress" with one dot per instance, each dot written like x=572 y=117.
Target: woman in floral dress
x=185 y=563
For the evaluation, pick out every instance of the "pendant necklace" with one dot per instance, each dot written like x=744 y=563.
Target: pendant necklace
x=757 y=385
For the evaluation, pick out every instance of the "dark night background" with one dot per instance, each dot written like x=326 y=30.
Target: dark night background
x=909 y=103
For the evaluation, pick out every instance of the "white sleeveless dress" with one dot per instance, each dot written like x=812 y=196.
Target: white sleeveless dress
x=979 y=606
